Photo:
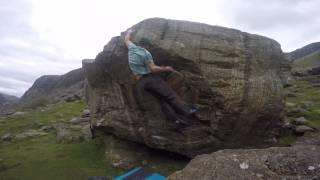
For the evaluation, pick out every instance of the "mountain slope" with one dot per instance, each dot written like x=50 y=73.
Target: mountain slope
x=307 y=62
x=304 y=51
x=7 y=99
x=56 y=87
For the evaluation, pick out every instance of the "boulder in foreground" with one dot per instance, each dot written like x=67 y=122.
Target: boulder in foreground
x=301 y=161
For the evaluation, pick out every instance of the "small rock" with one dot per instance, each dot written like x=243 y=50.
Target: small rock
x=287 y=125
x=296 y=111
x=311 y=168
x=290 y=105
x=7 y=137
x=122 y=165
x=299 y=121
x=18 y=113
x=74 y=120
x=79 y=120
x=306 y=104
x=244 y=166
x=140 y=129
x=234 y=158
x=291 y=94
x=303 y=129
x=30 y=133
x=85 y=113
x=159 y=137
x=45 y=128
x=316 y=85
x=116 y=164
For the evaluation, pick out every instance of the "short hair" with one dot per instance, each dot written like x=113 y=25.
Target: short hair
x=144 y=42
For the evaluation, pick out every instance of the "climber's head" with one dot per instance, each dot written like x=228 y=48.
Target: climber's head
x=145 y=43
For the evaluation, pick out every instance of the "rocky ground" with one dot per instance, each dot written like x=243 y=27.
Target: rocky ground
x=298 y=162
x=55 y=142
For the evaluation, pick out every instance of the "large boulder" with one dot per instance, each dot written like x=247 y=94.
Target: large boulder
x=298 y=162
x=234 y=78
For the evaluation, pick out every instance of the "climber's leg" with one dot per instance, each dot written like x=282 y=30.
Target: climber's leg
x=158 y=86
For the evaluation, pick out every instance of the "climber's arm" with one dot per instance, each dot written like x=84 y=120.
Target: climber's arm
x=127 y=38
x=156 y=69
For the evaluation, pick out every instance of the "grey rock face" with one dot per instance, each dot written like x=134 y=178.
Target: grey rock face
x=298 y=162
x=234 y=78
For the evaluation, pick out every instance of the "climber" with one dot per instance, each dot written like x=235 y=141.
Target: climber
x=142 y=65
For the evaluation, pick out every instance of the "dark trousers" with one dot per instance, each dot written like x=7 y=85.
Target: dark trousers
x=166 y=95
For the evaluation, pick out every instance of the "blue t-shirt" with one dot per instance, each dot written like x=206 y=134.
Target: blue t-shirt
x=139 y=58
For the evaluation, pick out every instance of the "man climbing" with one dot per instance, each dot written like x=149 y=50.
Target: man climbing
x=142 y=65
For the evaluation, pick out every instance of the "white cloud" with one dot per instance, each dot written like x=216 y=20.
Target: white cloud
x=293 y=23
x=40 y=37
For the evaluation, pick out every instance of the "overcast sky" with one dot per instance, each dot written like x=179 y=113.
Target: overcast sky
x=41 y=37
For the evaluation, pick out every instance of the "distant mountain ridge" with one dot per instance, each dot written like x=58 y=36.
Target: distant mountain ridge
x=46 y=89
x=304 y=51
x=56 y=86
x=7 y=99
x=309 y=61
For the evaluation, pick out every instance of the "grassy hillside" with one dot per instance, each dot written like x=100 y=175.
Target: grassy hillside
x=41 y=157
x=304 y=100
x=312 y=60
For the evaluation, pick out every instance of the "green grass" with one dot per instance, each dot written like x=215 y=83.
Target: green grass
x=35 y=103
x=307 y=97
x=306 y=93
x=312 y=60
x=286 y=140
x=42 y=116
x=40 y=158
